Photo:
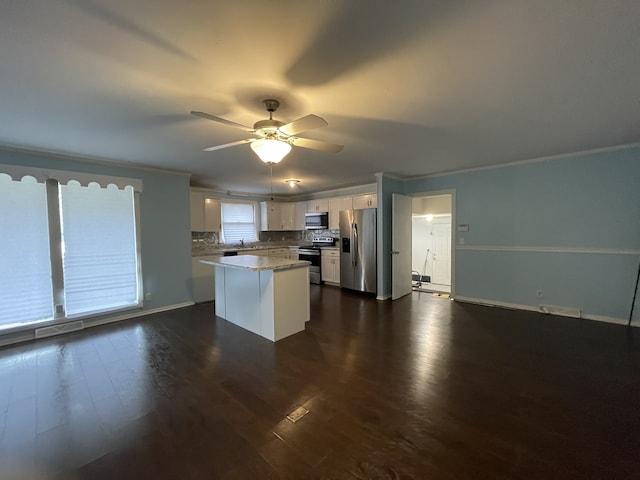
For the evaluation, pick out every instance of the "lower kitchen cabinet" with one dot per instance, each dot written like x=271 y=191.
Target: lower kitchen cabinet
x=203 y=279
x=330 y=266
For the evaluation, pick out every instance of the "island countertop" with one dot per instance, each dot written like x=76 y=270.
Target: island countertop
x=256 y=263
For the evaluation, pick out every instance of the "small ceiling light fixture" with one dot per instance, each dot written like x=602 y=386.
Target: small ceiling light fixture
x=270 y=151
x=292 y=182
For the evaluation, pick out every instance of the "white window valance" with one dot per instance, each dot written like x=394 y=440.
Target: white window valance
x=17 y=172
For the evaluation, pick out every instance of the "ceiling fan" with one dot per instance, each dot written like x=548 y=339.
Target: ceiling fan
x=275 y=138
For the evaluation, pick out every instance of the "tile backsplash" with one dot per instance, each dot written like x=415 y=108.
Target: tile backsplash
x=200 y=240
x=203 y=240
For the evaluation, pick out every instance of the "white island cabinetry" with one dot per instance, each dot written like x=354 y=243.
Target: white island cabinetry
x=266 y=295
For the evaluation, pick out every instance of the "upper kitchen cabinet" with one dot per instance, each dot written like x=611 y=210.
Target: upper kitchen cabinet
x=282 y=215
x=369 y=200
x=335 y=205
x=319 y=205
x=271 y=213
x=292 y=214
x=205 y=213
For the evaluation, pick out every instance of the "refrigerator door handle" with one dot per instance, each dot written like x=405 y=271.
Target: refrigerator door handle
x=354 y=249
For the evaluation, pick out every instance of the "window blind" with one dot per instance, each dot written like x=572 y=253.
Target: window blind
x=25 y=269
x=238 y=222
x=99 y=248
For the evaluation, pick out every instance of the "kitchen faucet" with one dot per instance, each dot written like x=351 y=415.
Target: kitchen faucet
x=242 y=242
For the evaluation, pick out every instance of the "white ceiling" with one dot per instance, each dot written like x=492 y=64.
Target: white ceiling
x=410 y=87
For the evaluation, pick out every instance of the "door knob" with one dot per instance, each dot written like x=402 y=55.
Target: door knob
x=393 y=252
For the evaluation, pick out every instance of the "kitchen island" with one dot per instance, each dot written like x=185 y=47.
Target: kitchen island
x=265 y=295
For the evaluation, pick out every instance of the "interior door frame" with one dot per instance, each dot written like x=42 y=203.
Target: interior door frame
x=454 y=240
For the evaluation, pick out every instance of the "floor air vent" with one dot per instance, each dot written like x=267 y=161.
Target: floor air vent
x=58 y=329
x=564 y=311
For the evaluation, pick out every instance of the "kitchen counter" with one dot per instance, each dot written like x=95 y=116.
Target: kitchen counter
x=256 y=263
x=268 y=296
x=222 y=248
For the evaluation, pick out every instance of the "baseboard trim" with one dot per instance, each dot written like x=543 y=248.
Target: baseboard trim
x=533 y=308
x=384 y=297
x=141 y=313
x=30 y=334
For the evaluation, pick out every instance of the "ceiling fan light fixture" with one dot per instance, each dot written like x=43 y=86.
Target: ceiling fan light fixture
x=292 y=182
x=269 y=150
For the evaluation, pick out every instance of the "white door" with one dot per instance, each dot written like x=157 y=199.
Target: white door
x=441 y=242
x=400 y=246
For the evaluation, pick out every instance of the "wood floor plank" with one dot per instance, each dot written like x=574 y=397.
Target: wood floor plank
x=420 y=387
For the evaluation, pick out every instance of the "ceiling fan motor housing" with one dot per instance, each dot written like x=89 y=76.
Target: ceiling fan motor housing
x=268 y=128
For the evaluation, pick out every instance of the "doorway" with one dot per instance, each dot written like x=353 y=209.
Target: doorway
x=431 y=234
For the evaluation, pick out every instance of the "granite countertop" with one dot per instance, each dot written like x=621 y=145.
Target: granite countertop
x=256 y=263
x=221 y=248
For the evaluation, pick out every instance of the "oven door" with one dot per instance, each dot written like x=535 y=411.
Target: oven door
x=311 y=255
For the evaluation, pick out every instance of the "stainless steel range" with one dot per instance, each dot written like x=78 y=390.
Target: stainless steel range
x=312 y=254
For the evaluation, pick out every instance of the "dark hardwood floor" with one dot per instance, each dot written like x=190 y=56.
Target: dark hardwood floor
x=420 y=388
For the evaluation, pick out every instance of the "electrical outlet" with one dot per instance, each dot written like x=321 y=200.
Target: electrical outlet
x=539 y=294
x=461 y=241
x=147 y=297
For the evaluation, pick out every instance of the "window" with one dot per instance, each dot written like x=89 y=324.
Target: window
x=25 y=270
x=99 y=257
x=67 y=250
x=238 y=222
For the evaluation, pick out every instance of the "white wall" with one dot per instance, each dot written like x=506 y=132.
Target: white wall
x=422 y=242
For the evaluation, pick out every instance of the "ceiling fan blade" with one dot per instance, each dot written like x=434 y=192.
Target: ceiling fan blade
x=308 y=122
x=316 y=145
x=227 y=145
x=222 y=120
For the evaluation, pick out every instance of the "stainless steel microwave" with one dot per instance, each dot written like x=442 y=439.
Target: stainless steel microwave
x=316 y=221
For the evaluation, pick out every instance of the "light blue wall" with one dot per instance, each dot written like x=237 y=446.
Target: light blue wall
x=164 y=221
x=584 y=201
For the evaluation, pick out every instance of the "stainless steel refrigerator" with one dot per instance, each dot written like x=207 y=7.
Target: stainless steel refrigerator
x=358 y=240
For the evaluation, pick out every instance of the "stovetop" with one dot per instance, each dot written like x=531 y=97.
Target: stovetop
x=323 y=241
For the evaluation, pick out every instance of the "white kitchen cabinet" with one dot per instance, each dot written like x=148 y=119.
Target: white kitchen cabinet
x=300 y=208
x=205 y=213
x=293 y=253
x=330 y=265
x=319 y=205
x=279 y=252
x=369 y=200
x=287 y=213
x=256 y=251
x=335 y=205
x=271 y=214
x=282 y=215
x=212 y=215
x=203 y=279
x=288 y=216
